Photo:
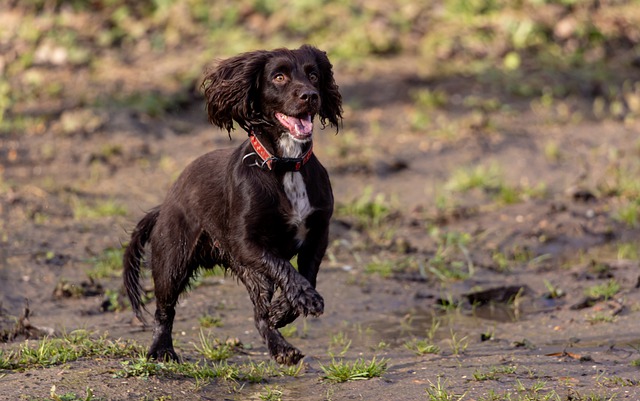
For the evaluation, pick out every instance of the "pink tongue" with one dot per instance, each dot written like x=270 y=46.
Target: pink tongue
x=297 y=126
x=302 y=126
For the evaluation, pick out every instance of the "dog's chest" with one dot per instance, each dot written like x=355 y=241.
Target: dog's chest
x=296 y=192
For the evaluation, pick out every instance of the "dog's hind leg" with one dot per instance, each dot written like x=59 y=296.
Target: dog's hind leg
x=261 y=291
x=172 y=268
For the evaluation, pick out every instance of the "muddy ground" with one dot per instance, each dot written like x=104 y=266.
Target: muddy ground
x=385 y=279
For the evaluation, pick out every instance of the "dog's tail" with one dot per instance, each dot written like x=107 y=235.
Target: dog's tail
x=133 y=258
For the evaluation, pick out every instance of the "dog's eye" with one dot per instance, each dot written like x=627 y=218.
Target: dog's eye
x=279 y=78
x=313 y=77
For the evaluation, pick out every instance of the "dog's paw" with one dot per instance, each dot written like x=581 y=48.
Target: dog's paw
x=281 y=313
x=308 y=302
x=288 y=356
x=163 y=355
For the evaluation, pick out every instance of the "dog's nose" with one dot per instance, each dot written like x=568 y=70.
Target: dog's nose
x=309 y=96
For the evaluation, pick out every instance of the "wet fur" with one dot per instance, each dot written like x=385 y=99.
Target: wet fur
x=252 y=221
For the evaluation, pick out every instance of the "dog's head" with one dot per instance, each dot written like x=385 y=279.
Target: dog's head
x=276 y=91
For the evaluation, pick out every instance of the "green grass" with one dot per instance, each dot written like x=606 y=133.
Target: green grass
x=425 y=102
x=115 y=301
x=72 y=346
x=201 y=275
x=140 y=367
x=339 y=371
x=246 y=372
x=449 y=304
x=553 y=292
x=422 y=347
x=615 y=381
x=516 y=256
x=438 y=392
x=478 y=177
x=552 y=152
x=501 y=261
x=383 y=268
x=339 y=341
x=271 y=394
x=288 y=331
x=593 y=396
x=552 y=395
x=214 y=349
x=96 y=209
x=629 y=214
x=429 y=99
x=605 y=290
x=369 y=211
x=600 y=317
x=451 y=261
x=71 y=396
x=621 y=179
x=107 y=264
x=446 y=272
x=536 y=391
x=152 y=103
x=494 y=373
x=628 y=250
x=490 y=180
x=207 y=321
x=458 y=345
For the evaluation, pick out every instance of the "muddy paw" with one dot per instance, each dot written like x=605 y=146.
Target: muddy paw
x=281 y=313
x=288 y=356
x=309 y=302
x=163 y=355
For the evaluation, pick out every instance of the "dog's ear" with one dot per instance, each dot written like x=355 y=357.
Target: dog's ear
x=331 y=100
x=231 y=90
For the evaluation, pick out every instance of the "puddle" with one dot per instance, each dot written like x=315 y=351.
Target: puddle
x=497 y=312
x=398 y=327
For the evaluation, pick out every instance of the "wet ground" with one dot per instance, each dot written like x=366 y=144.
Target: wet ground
x=497 y=275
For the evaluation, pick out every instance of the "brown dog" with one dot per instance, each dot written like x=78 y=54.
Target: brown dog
x=252 y=208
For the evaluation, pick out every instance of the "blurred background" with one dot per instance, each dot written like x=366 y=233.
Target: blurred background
x=486 y=144
x=63 y=54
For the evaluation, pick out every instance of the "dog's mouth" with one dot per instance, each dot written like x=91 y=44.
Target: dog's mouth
x=300 y=128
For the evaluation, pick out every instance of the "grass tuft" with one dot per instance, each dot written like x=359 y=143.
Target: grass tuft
x=98 y=209
x=605 y=290
x=368 y=210
x=341 y=371
x=422 y=347
x=438 y=392
x=71 y=347
x=107 y=264
x=214 y=349
x=203 y=371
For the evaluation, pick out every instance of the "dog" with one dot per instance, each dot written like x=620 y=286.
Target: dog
x=250 y=209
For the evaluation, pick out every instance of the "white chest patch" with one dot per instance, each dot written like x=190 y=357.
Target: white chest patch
x=295 y=189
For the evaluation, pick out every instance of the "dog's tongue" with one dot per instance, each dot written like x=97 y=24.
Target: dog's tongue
x=298 y=127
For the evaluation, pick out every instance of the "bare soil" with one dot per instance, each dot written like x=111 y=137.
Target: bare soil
x=567 y=237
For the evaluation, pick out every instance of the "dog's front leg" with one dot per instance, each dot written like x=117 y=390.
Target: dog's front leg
x=261 y=291
x=298 y=291
x=309 y=259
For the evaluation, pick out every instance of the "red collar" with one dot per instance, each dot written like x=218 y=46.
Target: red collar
x=279 y=163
